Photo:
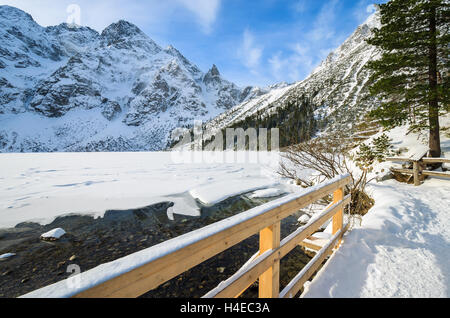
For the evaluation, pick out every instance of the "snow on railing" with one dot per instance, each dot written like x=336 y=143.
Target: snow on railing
x=138 y=273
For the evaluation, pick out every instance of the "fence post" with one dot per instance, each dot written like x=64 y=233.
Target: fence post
x=416 y=173
x=338 y=218
x=269 y=282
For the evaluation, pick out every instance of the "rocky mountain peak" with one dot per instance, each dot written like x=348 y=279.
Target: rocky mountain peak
x=121 y=30
x=172 y=51
x=214 y=71
x=213 y=76
x=14 y=14
x=65 y=27
x=127 y=36
x=175 y=53
x=20 y=35
x=277 y=86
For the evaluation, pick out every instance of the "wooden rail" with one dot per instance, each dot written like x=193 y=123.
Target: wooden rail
x=236 y=284
x=418 y=171
x=436 y=160
x=264 y=266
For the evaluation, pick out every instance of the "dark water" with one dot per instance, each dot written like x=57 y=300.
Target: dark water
x=91 y=242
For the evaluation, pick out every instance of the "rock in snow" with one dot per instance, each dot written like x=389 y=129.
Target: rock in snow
x=304 y=218
x=7 y=255
x=53 y=235
x=267 y=193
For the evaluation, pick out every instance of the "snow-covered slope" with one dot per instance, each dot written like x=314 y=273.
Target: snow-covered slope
x=68 y=88
x=401 y=248
x=338 y=87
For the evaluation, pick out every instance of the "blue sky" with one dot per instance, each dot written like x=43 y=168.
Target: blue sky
x=253 y=42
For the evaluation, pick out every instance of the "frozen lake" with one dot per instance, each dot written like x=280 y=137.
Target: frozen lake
x=40 y=187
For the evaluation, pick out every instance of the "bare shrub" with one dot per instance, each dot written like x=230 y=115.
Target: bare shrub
x=330 y=156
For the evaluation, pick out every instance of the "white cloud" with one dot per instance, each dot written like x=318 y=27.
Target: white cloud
x=45 y=12
x=295 y=65
x=363 y=10
x=303 y=56
x=298 y=55
x=205 y=10
x=98 y=14
x=249 y=53
x=371 y=8
x=276 y=65
x=323 y=27
x=300 y=6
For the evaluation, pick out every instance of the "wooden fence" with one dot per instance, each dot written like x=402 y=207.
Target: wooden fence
x=265 y=265
x=419 y=167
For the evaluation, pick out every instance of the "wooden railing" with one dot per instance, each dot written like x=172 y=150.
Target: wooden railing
x=212 y=240
x=419 y=163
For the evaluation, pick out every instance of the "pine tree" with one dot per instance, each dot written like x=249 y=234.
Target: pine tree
x=412 y=77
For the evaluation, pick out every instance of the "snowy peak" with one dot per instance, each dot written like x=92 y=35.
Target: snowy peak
x=125 y=35
x=277 y=86
x=74 y=39
x=121 y=30
x=373 y=21
x=23 y=42
x=65 y=28
x=212 y=77
x=214 y=71
x=187 y=64
x=14 y=15
x=175 y=53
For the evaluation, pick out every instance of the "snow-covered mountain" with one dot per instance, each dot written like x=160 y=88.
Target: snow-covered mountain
x=69 y=88
x=338 y=87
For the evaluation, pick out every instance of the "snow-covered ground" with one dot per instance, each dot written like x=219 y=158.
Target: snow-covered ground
x=40 y=187
x=402 y=247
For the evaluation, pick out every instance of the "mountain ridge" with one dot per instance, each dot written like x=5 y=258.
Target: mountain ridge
x=124 y=89
x=66 y=88
x=338 y=87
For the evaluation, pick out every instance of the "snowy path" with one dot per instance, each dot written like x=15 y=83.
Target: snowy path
x=402 y=248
